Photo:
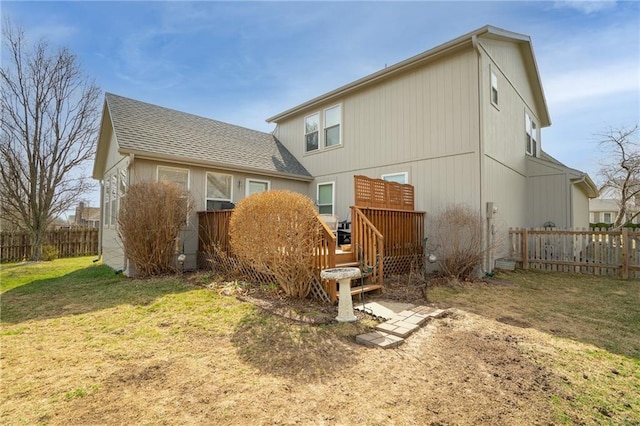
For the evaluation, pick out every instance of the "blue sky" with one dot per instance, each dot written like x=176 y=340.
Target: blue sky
x=242 y=62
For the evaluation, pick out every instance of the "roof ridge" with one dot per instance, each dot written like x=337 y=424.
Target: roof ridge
x=176 y=111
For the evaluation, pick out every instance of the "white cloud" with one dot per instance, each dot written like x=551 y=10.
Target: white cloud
x=586 y=6
x=583 y=84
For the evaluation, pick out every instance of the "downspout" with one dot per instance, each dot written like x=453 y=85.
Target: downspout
x=485 y=261
x=570 y=213
x=132 y=159
x=100 y=231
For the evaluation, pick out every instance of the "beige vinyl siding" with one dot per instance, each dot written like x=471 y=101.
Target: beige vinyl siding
x=437 y=181
x=580 y=207
x=504 y=127
x=146 y=170
x=548 y=195
x=510 y=60
x=417 y=119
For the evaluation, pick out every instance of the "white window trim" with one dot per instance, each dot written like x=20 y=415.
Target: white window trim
x=493 y=75
x=324 y=127
x=533 y=134
x=206 y=183
x=106 y=201
x=304 y=131
x=248 y=184
x=333 y=195
x=405 y=174
x=322 y=143
x=158 y=167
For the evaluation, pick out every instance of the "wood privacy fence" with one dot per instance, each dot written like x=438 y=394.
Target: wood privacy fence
x=596 y=252
x=16 y=246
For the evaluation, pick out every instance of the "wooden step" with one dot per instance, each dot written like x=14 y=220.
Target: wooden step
x=345 y=257
x=364 y=289
x=347 y=265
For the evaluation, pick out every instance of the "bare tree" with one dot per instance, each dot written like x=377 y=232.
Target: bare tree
x=48 y=121
x=620 y=172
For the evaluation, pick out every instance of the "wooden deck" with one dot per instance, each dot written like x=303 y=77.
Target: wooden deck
x=386 y=235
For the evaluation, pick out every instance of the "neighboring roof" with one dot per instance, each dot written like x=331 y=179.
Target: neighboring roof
x=429 y=55
x=581 y=179
x=156 y=132
x=603 y=205
x=90 y=214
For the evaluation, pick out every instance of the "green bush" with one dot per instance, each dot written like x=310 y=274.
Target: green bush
x=49 y=253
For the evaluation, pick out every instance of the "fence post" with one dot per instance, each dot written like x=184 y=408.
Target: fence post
x=525 y=254
x=624 y=242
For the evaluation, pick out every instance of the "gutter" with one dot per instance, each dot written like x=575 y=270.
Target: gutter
x=585 y=180
x=220 y=166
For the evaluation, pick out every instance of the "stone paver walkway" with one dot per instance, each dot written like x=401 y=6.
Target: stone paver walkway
x=391 y=333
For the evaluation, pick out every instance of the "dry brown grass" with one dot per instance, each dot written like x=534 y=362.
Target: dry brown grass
x=91 y=347
x=276 y=232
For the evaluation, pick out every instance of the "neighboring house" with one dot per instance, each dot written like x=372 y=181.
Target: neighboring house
x=218 y=163
x=605 y=210
x=460 y=122
x=86 y=217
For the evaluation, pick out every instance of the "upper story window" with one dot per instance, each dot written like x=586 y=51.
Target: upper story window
x=332 y=119
x=218 y=191
x=494 y=88
x=402 y=177
x=311 y=127
x=330 y=122
x=531 y=131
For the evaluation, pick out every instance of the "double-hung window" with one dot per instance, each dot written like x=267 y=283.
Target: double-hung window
x=311 y=128
x=332 y=118
x=531 y=131
x=323 y=130
x=325 y=198
x=494 y=89
x=180 y=177
x=219 y=187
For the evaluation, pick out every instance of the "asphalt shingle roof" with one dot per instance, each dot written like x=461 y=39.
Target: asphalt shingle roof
x=145 y=128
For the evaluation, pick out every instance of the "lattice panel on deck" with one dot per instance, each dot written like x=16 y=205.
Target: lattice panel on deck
x=378 y=193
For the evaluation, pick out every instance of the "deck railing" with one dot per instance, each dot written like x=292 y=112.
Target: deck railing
x=213 y=230
x=325 y=258
x=403 y=236
x=371 y=242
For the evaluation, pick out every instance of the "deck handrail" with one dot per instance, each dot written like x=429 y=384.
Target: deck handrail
x=365 y=234
x=325 y=255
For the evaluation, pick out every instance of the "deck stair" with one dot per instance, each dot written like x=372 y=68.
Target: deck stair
x=393 y=332
x=348 y=259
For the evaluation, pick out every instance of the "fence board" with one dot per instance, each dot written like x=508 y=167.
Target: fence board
x=587 y=251
x=16 y=246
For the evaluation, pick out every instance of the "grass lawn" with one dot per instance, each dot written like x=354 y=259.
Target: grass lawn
x=82 y=345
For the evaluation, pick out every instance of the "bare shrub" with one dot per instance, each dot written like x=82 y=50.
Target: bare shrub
x=150 y=218
x=276 y=233
x=456 y=236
